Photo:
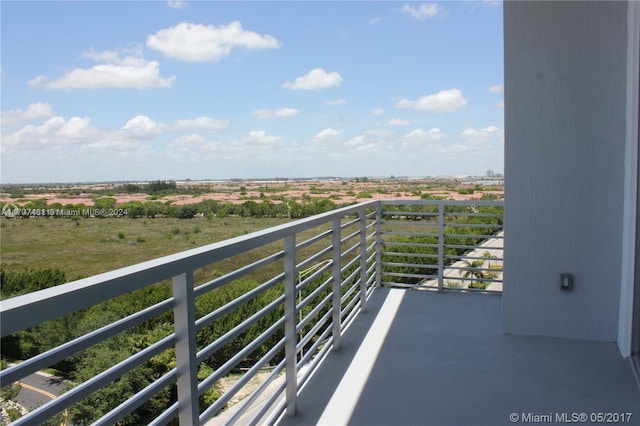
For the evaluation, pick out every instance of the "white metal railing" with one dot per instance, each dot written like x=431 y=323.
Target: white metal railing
x=442 y=244
x=319 y=273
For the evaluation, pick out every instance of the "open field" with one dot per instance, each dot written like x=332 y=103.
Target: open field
x=91 y=246
x=82 y=246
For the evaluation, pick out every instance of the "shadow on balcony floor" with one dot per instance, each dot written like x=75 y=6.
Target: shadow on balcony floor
x=424 y=358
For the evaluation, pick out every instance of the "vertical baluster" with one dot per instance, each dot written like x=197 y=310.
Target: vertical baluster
x=378 y=243
x=291 y=369
x=337 y=293
x=363 y=261
x=440 y=246
x=187 y=368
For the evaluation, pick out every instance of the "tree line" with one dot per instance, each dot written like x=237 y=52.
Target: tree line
x=208 y=208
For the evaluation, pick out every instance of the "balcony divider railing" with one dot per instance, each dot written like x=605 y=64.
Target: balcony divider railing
x=308 y=280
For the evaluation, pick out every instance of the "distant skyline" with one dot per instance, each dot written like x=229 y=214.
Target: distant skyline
x=117 y=91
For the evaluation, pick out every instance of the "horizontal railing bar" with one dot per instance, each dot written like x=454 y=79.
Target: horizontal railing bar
x=238 y=273
x=50 y=357
x=26 y=310
x=349 y=278
x=311 y=296
x=316 y=275
x=407 y=234
x=480 y=236
x=408 y=213
x=471 y=214
x=349 y=223
x=230 y=306
x=208 y=350
x=484 y=280
x=417 y=255
x=228 y=366
x=348 y=251
x=350 y=236
x=277 y=412
x=314 y=258
x=464 y=246
x=467 y=257
x=350 y=264
x=137 y=399
x=404 y=223
x=473 y=290
x=315 y=311
x=347 y=294
x=389 y=244
x=166 y=416
x=245 y=403
x=406 y=275
x=220 y=402
x=98 y=381
x=350 y=311
x=313 y=239
x=323 y=321
x=472 y=225
x=412 y=265
x=442 y=202
x=324 y=338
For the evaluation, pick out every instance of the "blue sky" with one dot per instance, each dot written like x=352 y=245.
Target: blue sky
x=101 y=91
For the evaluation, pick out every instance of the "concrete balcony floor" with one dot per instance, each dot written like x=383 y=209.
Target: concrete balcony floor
x=425 y=358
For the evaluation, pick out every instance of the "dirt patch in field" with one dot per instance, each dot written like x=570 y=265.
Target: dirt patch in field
x=240 y=192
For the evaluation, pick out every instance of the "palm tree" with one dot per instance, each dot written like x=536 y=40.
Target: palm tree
x=473 y=270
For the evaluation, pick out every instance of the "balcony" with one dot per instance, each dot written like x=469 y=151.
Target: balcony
x=378 y=313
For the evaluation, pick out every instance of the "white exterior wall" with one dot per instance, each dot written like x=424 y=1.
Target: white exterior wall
x=565 y=115
x=630 y=218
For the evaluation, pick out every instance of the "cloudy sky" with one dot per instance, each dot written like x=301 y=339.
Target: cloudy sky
x=102 y=91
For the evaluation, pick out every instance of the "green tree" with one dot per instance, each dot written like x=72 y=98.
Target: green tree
x=473 y=270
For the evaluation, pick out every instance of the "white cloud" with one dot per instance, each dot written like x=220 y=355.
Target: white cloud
x=419 y=135
x=328 y=134
x=177 y=4
x=142 y=127
x=199 y=43
x=377 y=111
x=496 y=89
x=315 y=79
x=263 y=114
x=187 y=142
x=56 y=131
x=206 y=123
x=375 y=20
x=33 y=112
x=260 y=137
x=422 y=12
x=334 y=102
x=500 y=104
x=395 y=122
x=482 y=135
x=443 y=101
x=116 y=71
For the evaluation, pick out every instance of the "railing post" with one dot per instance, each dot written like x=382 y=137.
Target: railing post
x=440 y=246
x=378 y=244
x=363 y=261
x=291 y=366
x=187 y=368
x=337 y=292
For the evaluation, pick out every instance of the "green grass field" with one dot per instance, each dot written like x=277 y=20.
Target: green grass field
x=91 y=246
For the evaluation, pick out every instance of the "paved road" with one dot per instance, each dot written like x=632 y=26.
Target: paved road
x=38 y=389
x=495 y=248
